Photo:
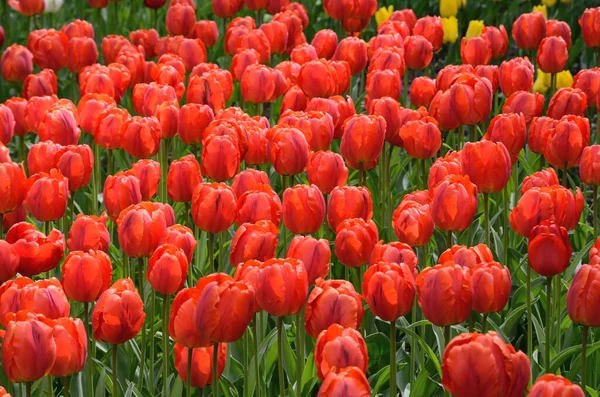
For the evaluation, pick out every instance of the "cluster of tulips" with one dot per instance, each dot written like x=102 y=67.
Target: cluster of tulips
x=260 y=194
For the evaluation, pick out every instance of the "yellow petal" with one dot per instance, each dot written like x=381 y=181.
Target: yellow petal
x=541 y=8
x=475 y=28
x=450 y=25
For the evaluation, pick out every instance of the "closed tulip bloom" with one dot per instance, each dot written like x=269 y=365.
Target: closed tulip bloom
x=119 y=313
x=445 y=295
x=354 y=51
x=510 y=129
x=422 y=138
x=111 y=45
x=332 y=302
x=325 y=42
x=167 y=269
x=71 y=347
x=37 y=252
x=326 y=170
x=86 y=275
x=226 y=8
x=289 y=273
x=140 y=136
x=50 y=48
x=141 y=227
x=422 y=91
x=475 y=51
x=288 y=150
x=498 y=39
x=193 y=120
x=90 y=107
x=588 y=81
x=13 y=185
x=567 y=101
x=413 y=223
x=201 y=367
x=560 y=29
x=16 y=63
x=76 y=163
x=529 y=30
x=28 y=7
x=225 y=308
x=589 y=166
x=148 y=172
x=314 y=254
x=431 y=28
x=338 y=107
x=565 y=141
x=17 y=107
x=543 y=178
x=516 y=75
x=256 y=241
x=389 y=289
x=589 y=27
x=147 y=38
x=28 y=348
x=491 y=285
x=220 y=158
x=207 y=32
x=41 y=157
x=44 y=297
x=249 y=179
x=59 y=125
x=261 y=84
x=347 y=202
x=208 y=90
x=354 y=241
x=552 y=54
x=47 y=196
x=82 y=52
x=447 y=213
x=418 y=52
x=530 y=104
x=120 y=191
x=148 y=97
x=317 y=79
x=9 y=261
x=350 y=382
x=40 y=84
x=339 y=348
x=362 y=141
x=549 y=250
x=183 y=177
x=180 y=20
x=303 y=209
x=396 y=252
x=550 y=385
x=261 y=203
x=487 y=164
x=490 y=72
x=241 y=60
x=181 y=324
x=498 y=370
x=106 y=130
x=182 y=237
x=383 y=83
x=388 y=57
x=580 y=298
x=469 y=257
x=317 y=127
x=213 y=207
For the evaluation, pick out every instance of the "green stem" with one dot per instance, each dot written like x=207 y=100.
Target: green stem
x=299 y=352
x=143 y=346
x=90 y=360
x=215 y=369
x=565 y=181
x=126 y=266
x=557 y=313
x=256 y=358
x=506 y=228
x=446 y=341
x=110 y=166
x=529 y=323
x=548 y=321
x=461 y=137
x=28 y=389
x=188 y=381
x=424 y=176
x=50 y=386
x=165 y=335
x=362 y=177
x=393 y=388
x=211 y=252
x=284 y=183
x=449 y=239
x=246 y=365
x=486 y=218
x=152 y=335
x=114 y=371
x=66 y=386
x=484 y=323
x=162 y=155
x=584 y=338
x=280 y=356
x=222 y=251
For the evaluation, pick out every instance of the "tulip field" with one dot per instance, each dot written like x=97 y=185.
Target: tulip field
x=279 y=198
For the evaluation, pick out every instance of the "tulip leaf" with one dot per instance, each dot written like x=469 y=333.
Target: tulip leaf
x=426 y=348
x=560 y=358
x=309 y=376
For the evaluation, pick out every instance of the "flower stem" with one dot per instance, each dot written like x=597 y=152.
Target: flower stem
x=449 y=242
x=280 y=356
x=211 y=252
x=66 y=386
x=257 y=389
x=529 y=323
x=584 y=337
x=486 y=217
x=299 y=353
x=165 y=335
x=484 y=323
x=446 y=341
x=28 y=389
x=548 y=321
x=393 y=388
x=143 y=346
x=188 y=381
x=215 y=369
x=114 y=370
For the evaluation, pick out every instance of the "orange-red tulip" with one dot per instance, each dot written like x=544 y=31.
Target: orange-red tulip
x=17 y=106
x=422 y=91
x=491 y=285
x=249 y=179
x=388 y=58
x=363 y=140
x=498 y=39
x=292 y=280
x=47 y=195
x=314 y=254
x=181 y=324
x=589 y=27
x=207 y=32
x=431 y=28
x=413 y=223
x=141 y=227
x=183 y=177
x=418 y=52
x=180 y=20
x=86 y=275
x=326 y=170
x=40 y=84
x=552 y=54
x=9 y=261
x=44 y=297
x=447 y=213
x=332 y=302
x=487 y=164
x=389 y=289
x=261 y=84
x=383 y=83
x=182 y=237
x=339 y=348
x=325 y=42
x=509 y=129
x=354 y=241
x=589 y=166
x=303 y=209
x=564 y=142
x=350 y=382
x=220 y=157
x=71 y=347
x=396 y=252
x=209 y=89
x=148 y=173
x=225 y=308
x=422 y=138
x=338 y=107
x=549 y=250
x=75 y=162
x=317 y=127
x=567 y=101
x=347 y=202
x=354 y=51
x=318 y=79
x=37 y=252
x=529 y=30
x=120 y=191
x=119 y=313
x=550 y=385
x=140 y=136
x=28 y=347
x=50 y=48
x=260 y=203
x=28 y=7
x=560 y=29
x=13 y=185
x=497 y=369
x=553 y=203
x=167 y=269
x=288 y=150
x=516 y=75
x=580 y=305
x=256 y=241
x=147 y=38
x=82 y=52
x=91 y=107
x=16 y=63
x=226 y=8
x=213 y=207
x=445 y=295
x=542 y=178
x=467 y=257
x=201 y=367
x=530 y=104
x=587 y=80
x=475 y=51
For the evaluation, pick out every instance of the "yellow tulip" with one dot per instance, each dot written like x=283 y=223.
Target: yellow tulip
x=564 y=79
x=450 y=25
x=549 y=3
x=541 y=8
x=475 y=28
x=449 y=8
x=383 y=14
x=543 y=82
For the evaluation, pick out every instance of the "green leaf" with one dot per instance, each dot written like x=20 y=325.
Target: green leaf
x=426 y=348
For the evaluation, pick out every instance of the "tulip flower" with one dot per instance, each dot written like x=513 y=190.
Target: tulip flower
x=183 y=177
x=516 y=75
x=261 y=203
x=422 y=138
x=552 y=385
x=213 y=207
x=589 y=28
x=220 y=157
x=588 y=81
x=510 y=369
x=148 y=172
x=413 y=222
x=447 y=215
x=422 y=91
x=491 y=285
x=9 y=262
x=314 y=254
x=552 y=55
x=530 y=104
x=418 y=52
x=350 y=380
x=338 y=348
x=256 y=241
x=183 y=238
x=287 y=150
x=509 y=129
x=120 y=191
x=475 y=51
x=467 y=257
x=354 y=241
x=362 y=142
x=180 y=20
x=201 y=367
x=71 y=342
x=326 y=170
x=498 y=39
x=86 y=275
x=567 y=101
x=332 y=302
x=529 y=30
x=16 y=63
x=325 y=42
x=549 y=250
x=207 y=32
x=303 y=209
x=50 y=48
x=541 y=178
x=13 y=184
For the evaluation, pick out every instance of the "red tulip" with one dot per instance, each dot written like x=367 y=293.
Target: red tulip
x=247 y=180
x=418 y=52
x=28 y=8
x=564 y=142
x=543 y=178
x=498 y=39
x=354 y=51
x=9 y=261
x=338 y=348
x=350 y=382
x=491 y=285
x=467 y=257
x=560 y=29
x=288 y=150
x=348 y=202
x=389 y=289
x=413 y=223
x=589 y=27
x=529 y=30
x=487 y=164
x=50 y=48
x=37 y=252
x=180 y=20
x=213 y=207
x=303 y=209
x=226 y=8
x=354 y=241
x=120 y=191
x=567 y=101
x=447 y=214
x=549 y=250
x=530 y=104
x=431 y=28
x=201 y=367
x=261 y=84
x=47 y=196
x=86 y=275
x=588 y=81
x=552 y=54
x=13 y=185
x=581 y=309
x=422 y=138
x=76 y=163
x=16 y=63
x=291 y=279
x=362 y=141
x=475 y=51
x=422 y=91
x=552 y=385
x=167 y=269
x=256 y=241
x=325 y=42
x=141 y=227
